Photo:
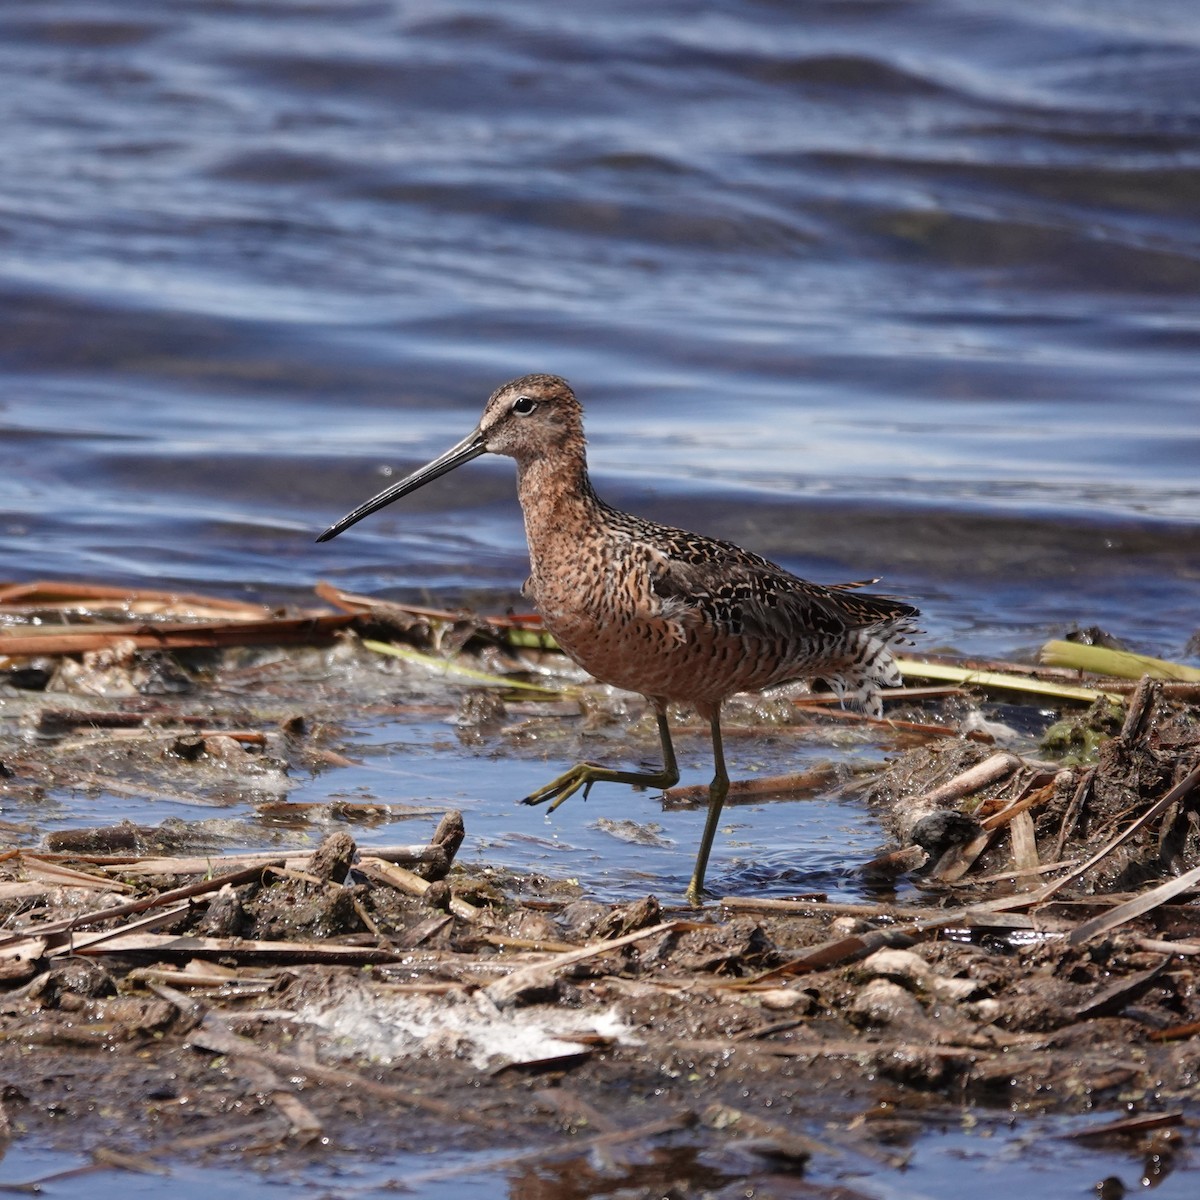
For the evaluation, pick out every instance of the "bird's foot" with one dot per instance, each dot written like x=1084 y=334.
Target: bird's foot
x=583 y=775
x=564 y=786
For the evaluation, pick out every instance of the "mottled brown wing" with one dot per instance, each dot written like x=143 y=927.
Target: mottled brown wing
x=749 y=596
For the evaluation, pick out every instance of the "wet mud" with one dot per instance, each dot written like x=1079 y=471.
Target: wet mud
x=165 y=995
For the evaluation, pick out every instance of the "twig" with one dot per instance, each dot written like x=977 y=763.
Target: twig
x=991 y=770
x=1071 y=816
x=407 y=881
x=1142 y=1123
x=811 y=780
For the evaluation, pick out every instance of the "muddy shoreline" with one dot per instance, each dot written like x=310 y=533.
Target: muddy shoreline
x=338 y=1000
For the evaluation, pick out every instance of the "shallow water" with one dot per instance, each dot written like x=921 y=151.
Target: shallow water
x=1029 y=1158
x=873 y=287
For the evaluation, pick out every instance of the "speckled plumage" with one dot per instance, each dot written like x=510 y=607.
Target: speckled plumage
x=670 y=614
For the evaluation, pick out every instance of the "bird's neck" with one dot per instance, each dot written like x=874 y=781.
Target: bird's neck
x=558 y=502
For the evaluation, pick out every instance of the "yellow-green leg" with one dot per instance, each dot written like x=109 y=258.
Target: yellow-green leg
x=585 y=774
x=717 y=791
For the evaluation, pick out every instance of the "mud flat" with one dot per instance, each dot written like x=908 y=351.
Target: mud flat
x=168 y=996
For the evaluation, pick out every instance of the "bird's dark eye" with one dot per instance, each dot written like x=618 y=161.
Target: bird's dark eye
x=523 y=406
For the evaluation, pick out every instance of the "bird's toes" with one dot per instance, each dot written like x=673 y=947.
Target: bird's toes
x=558 y=789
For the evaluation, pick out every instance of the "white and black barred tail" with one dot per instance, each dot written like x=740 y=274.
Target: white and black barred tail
x=866 y=666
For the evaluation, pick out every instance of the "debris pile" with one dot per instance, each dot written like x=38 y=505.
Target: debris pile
x=171 y=996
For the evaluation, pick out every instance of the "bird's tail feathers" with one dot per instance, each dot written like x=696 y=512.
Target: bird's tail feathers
x=869 y=667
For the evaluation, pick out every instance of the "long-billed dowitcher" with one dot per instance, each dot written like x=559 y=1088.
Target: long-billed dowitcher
x=651 y=609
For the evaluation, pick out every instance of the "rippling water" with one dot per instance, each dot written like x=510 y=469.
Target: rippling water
x=874 y=286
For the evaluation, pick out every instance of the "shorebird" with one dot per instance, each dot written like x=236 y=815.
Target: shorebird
x=672 y=615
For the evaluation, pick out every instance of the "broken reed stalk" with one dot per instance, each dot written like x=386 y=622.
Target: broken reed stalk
x=540 y=976
x=1099 y=660
x=999 y=681
x=800 y=781
x=1074 y=810
x=212 y=635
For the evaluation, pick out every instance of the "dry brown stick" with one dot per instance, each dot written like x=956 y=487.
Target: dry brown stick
x=817 y=777
x=918 y=692
x=856 y=1048
x=922 y=727
x=58 y=875
x=540 y=945
x=856 y=946
x=839 y=950
x=832 y=907
x=143 y=733
x=1174 y=1032
x=1001 y=876
x=1171 y=689
x=1111 y=1001
x=408 y=881
x=965 y=783
x=1026 y=802
x=43 y=593
x=1142 y=1123
x=121 y=941
x=178 y=635
x=70 y=943
x=991 y=770
x=958 y=860
x=355 y=603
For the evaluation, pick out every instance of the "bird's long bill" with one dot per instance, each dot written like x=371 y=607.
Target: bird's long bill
x=472 y=446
